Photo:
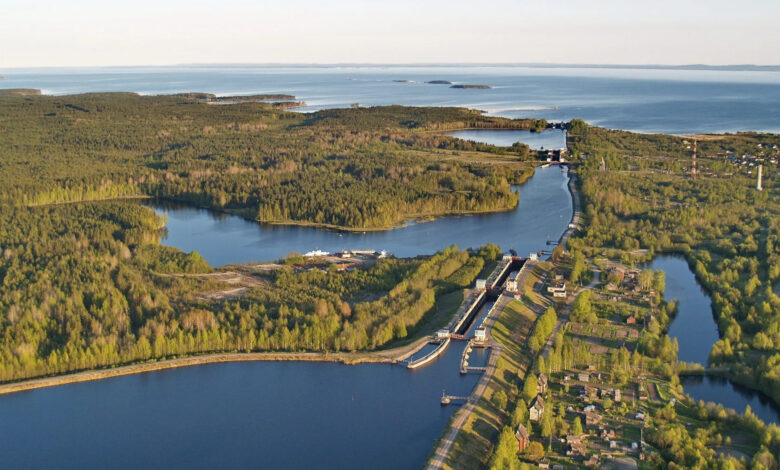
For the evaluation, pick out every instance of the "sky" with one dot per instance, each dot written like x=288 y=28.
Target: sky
x=36 y=33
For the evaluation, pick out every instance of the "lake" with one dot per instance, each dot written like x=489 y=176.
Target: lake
x=544 y=211
x=695 y=329
x=546 y=139
x=644 y=100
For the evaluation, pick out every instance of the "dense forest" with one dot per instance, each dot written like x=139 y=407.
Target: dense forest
x=84 y=282
x=728 y=231
x=358 y=168
x=86 y=285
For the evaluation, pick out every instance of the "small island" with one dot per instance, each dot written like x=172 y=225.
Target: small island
x=439 y=82
x=402 y=81
x=472 y=87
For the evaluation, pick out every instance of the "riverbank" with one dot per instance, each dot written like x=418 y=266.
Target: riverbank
x=390 y=356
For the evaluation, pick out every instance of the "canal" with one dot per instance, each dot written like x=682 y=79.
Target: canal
x=695 y=329
x=293 y=415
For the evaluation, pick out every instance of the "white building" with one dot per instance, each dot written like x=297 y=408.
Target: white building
x=480 y=334
x=511 y=283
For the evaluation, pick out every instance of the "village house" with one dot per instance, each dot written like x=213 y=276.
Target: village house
x=542 y=383
x=557 y=288
x=593 y=461
x=607 y=435
x=536 y=410
x=575 y=446
x=523 y=439
x=592 y=418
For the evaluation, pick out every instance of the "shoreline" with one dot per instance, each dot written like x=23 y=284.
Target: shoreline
x=387 y=356
x=132 y=369
x=413 y=219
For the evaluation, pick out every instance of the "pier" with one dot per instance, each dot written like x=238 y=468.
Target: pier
x=414 y=364
x=448 y=399
x=465 y=368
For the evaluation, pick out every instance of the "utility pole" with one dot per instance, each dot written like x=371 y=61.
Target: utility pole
x=758 y=180
x=693 y=168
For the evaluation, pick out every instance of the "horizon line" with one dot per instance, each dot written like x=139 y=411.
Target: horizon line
x=690 y=66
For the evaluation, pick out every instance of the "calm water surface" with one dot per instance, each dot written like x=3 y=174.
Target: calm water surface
x=694 y=327
x=646 y=100
x=543 y=212
x=731 y=395
x=243 y=415
x=696 y=332
x=547 y=139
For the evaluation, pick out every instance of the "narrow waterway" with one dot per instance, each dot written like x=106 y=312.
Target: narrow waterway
x=695 y=329
x=694 y=326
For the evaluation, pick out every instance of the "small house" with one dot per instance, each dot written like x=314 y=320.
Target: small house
x=443 y=334
x=583 y=377
x=592 y=418
x=522 y=436
x=575 y=445
x=542 y=383
x=556 y=286
x=481 y=284
x=536 y=410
